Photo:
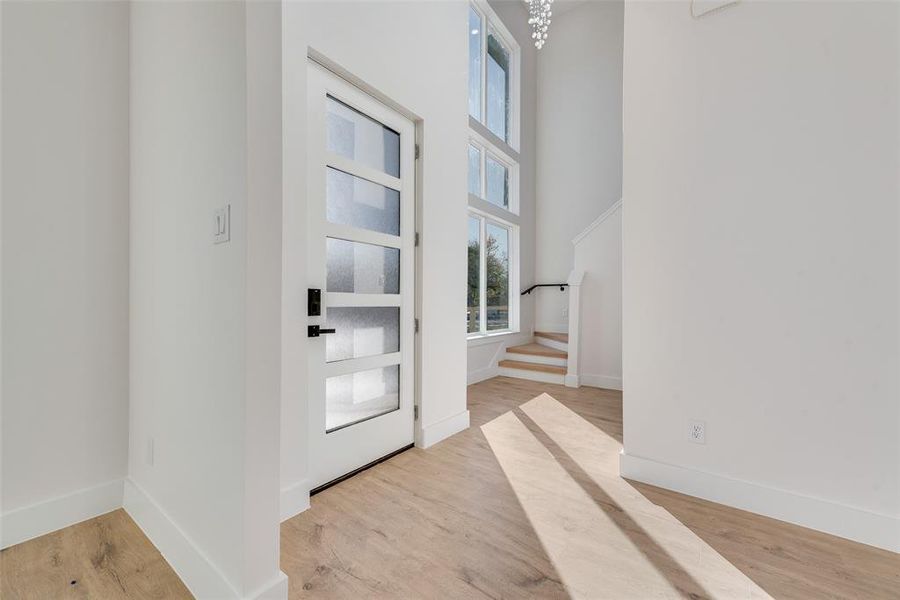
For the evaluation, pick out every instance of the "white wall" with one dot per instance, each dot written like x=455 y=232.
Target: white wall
x=483 y=354
x=65 y=262
x=579 y=141
x=761 y=258
x=414 y=53
x=598 y=254
x=205 y=102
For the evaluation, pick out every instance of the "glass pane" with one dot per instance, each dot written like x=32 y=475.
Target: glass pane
x=359 y=396
x=497 y=88
x=362 y=268
x=497 y=289
x=497 y=182
x=360 y=203
x=362 y=331
x=356 y=136
x=474 y=171
x=475 y=36
x=473 y=303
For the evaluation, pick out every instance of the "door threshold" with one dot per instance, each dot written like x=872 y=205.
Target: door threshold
x=325 y=486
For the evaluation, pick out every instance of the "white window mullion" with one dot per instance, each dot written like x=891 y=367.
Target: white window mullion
x=484 y=55
x=482 y=276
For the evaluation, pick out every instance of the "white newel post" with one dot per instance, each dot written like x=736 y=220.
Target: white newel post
x=575 y=278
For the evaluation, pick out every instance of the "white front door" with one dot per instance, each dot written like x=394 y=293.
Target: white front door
x=361 y=198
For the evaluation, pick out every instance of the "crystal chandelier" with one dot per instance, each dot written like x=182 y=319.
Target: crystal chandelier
x=539 y=18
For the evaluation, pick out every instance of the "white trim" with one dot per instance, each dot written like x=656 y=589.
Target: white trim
x=28 y=522
x=552 y=327
x=514 y=300
x=294 y=499
x=856 y=524
x=573 y=369
x=535 y=359
x=277 y=589
x=196 y=570
x=607 y=382
x=356 y=234
x=597 y=222
x=483 y=374
x=491 y=20
x=532 y=375
x=434 y=433
x=364 y=363
x=494 y=337
x=492 y=369
x=552 y=343
x=361 y=170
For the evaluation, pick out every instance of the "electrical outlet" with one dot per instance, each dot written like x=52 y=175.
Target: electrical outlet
x=697 y=432
x=149 y=457
x=566 y=311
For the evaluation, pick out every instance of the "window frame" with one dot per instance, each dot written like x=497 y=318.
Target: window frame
x=499 y=155
x=491 y=23
x=506 y=153
x=513 y=273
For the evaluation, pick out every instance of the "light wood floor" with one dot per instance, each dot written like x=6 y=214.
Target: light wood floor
x=106 y=557
x=524 y=504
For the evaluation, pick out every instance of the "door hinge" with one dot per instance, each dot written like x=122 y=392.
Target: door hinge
x=418 y=152
x=416 y=242
x=416 y=325
x=415 y=412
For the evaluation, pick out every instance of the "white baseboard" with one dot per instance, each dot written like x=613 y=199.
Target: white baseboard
x=198 y=573
x=607 y=382
x=434 y=433
x=275 y=590
x=572 y=381
x=294 y=499
x=32 y=521
x=552 y=327
x=848 y=522
x=482 y=374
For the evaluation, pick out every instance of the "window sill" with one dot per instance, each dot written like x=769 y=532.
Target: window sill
x=489 y=338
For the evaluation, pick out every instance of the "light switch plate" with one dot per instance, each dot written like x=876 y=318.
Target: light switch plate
x=222 y=225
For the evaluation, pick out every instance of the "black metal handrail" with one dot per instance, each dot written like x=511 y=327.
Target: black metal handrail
x=562 y=287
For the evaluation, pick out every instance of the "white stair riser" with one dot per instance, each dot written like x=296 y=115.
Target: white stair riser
x=552 y=344
x=536 y=359
x=533 y=375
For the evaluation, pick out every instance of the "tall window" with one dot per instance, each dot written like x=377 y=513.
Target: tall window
x=493 y=276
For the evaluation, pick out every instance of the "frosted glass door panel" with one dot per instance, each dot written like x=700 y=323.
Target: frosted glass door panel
x=362 y=331
x=360 y=396
x=362 y=268
x=358 y=137
x=360 y=203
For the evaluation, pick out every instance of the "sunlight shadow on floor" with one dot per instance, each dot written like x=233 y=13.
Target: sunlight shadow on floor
x=605 y=539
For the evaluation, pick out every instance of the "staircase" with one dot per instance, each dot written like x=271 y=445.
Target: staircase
x=545 y=359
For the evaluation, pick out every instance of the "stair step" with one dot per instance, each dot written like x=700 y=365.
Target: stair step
x=527 y=366
x=538 y=350
x=552 y=335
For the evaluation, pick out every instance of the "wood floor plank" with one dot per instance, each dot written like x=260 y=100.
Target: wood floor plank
x=107 y=557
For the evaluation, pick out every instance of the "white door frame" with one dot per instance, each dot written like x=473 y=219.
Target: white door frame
x=413 y=254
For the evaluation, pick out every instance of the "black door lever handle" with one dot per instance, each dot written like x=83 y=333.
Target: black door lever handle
x=316 y=331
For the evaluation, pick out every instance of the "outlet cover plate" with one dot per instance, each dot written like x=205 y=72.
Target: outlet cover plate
x=697 y=432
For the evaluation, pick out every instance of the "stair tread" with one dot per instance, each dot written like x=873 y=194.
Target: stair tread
x=538 y=350
x=552 y=335
x=527 y=366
